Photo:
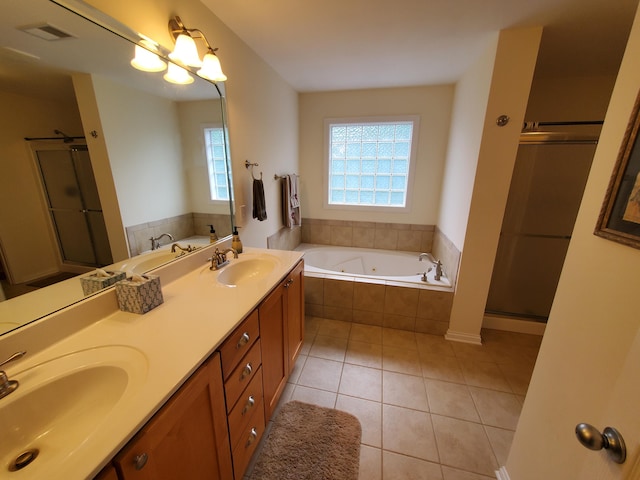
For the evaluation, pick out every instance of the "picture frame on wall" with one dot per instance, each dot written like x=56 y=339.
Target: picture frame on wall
x=619 y=218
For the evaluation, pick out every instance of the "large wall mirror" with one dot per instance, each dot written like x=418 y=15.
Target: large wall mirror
x=71 y=102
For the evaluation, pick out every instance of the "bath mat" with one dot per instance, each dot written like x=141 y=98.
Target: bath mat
x=308 y=442
x=58 y=277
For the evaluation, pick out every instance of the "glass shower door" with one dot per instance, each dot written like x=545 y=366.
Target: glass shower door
x=544 y=197
x=74 y=206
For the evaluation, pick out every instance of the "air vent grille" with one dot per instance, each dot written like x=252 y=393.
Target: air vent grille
x=46 y=31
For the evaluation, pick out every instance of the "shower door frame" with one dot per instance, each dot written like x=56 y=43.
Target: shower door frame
x=41 y=145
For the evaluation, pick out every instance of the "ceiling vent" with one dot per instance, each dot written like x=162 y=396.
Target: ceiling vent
x=46 y=31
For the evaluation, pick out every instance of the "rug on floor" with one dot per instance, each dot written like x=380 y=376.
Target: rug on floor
x=58 y=277
x=311 y=443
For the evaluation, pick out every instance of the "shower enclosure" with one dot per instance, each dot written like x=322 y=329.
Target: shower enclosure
x=548 y=181
x=74 y=205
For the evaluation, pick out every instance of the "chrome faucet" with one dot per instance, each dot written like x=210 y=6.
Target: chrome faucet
x=182 y=249
x=155 y=242
x=7 y=386
x=219 y=259
x=438 y=274
x=428 y=256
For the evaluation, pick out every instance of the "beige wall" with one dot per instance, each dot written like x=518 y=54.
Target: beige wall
x=515 y=60
x=591 y=330
x=431 y=103
x=27 y=242
x=469 y=110
x=262 y=108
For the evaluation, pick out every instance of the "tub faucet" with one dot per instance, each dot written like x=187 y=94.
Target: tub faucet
x=155 y=242
x=7 y=386
x=176 y=246
x=428 y=256
x=438 y=274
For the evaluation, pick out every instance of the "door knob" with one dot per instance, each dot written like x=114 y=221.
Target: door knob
x=611 y=440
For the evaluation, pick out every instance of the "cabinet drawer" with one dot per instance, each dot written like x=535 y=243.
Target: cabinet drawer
x=249 y=440
x=239 y=343
x=242 y=375
x=247 y=404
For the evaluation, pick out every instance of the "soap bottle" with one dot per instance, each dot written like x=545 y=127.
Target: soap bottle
x=213 y=238
x=236 y=244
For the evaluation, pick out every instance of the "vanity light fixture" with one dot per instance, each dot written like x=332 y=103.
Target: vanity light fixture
x=178 y=75
x=145 y=58
x=186 y=51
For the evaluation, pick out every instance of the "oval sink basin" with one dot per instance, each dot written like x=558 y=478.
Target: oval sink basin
x=148 y=261
x=60 y=403
x=247 y=271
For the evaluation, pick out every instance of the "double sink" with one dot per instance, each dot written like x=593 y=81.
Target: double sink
x=64 y=401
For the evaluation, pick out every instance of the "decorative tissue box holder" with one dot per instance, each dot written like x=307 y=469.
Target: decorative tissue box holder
x=94 y=282
x=139 y=294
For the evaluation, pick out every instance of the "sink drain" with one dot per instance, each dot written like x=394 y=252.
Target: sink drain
x=23 y=460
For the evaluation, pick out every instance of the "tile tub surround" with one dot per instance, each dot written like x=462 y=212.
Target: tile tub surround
x=181 y=226
x=375 y=303
x=429 y=408
x=385 y=236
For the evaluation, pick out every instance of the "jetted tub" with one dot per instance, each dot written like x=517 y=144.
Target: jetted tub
x=381 y=265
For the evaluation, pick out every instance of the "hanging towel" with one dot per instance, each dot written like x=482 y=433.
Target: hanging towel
x=259 y=204
x=290 y=201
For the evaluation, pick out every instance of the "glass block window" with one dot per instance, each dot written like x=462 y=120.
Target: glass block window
x=369 y=163
x=214 y=141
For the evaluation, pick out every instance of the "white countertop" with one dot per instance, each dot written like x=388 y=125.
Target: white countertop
x=198 y=313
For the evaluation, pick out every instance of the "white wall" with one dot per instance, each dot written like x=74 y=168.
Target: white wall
x=432 y=104
x=592 y=326
x=515 y=60
x=29 y=248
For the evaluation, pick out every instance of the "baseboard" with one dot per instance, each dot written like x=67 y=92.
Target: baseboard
x=502 y=474
x=510 y=324
x=463 y=337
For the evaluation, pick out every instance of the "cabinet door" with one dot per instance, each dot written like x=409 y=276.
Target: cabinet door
x=295 y=313
x=187 y=438
x=273 y=336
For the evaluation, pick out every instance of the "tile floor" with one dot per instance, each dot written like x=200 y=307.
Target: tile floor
x=429 y=408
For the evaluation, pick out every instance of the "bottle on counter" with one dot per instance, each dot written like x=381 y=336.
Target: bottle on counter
x=213 y=237
x=236 y=243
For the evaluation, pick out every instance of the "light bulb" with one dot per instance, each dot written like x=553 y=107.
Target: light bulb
x=147 y=61
x=178 y=75
x=186 y=51
x=211 y=68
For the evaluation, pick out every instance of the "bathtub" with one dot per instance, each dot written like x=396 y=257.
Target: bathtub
x=387 y=266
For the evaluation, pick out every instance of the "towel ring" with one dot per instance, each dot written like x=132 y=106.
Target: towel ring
x=248 y=164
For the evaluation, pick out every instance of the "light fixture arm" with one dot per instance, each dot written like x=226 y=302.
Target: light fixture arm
x=176 y=27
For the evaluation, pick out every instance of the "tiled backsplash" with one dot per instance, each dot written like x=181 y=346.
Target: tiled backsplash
x=445 y=251
x=386 y=236
x=285 y=238
x=181 y=226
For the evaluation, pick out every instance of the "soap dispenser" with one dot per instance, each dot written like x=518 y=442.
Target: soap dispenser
x=236 y=244
x=213 y=237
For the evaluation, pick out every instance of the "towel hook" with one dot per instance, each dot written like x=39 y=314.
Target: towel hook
x=248 y=164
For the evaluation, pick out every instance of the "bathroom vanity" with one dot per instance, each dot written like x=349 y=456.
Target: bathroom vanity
x=183 y=391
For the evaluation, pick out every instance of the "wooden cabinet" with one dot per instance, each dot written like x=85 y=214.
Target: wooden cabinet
x=187 y=438
x=107 y=473
x=281 y=332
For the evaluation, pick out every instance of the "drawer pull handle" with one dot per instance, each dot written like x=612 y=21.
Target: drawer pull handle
x=249 y=405
x=289 y=282
x=252 y=437
x=246 y=371
x=140 y=461
x=244 y=339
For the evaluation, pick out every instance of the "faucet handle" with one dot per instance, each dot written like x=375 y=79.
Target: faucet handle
x=13 y=357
